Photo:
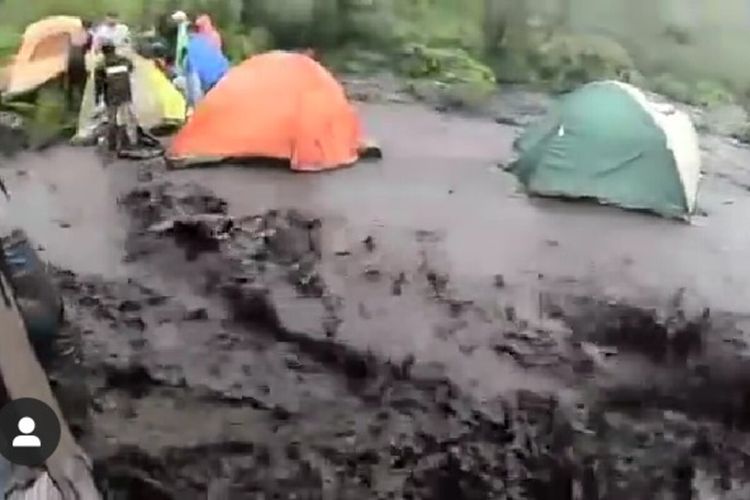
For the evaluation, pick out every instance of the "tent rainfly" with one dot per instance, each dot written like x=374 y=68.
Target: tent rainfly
x=611 y=142
x=156 y=102
x=43 y=54
x=280 y=105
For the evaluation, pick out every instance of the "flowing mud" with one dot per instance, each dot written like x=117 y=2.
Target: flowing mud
x=248 y=347
x=221 y=395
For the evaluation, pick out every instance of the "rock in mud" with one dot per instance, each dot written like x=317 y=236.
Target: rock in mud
x=499 y=281
x=369 y=243
x=398 y=283
x=13 y=137
x=197 y=314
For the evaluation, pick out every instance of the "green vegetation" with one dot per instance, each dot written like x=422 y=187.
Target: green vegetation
x=10 y=38
x=561 y=61
x=450 y=76
x=46 y=117
x=49 y=118
x=705 y=93
x=242 y=44
x=457 y=49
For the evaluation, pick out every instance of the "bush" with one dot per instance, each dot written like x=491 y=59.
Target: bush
x=442 y=41
x=354 y=60
x=240 y=46
x=450 y=76
x=45 y=113
x=49 y=118
x=375 y=27
x=440 y=24
x=565 y=61
x=10 y=40
x=444 y=65
x=710 y=93
x=290 y=22
x=704 y=93
x=670 y=86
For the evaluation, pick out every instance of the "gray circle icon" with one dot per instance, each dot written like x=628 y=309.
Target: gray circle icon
x=29 y=432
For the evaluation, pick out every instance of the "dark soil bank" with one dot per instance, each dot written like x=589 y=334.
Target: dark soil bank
x=213 y=393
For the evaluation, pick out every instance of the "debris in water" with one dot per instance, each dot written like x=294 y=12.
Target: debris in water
x=339 y=241
x=499 y=281
x=369 y=243
x=438 y=283
x=197 y=314
x=398 y=284
x=372 y=273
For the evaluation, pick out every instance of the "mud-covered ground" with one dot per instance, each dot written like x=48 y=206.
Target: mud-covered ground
x=410 y=328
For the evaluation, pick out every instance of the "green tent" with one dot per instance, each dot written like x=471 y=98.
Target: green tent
x=611 y=142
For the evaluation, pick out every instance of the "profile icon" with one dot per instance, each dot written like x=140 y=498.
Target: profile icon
x=26 y=439
x=29 y=432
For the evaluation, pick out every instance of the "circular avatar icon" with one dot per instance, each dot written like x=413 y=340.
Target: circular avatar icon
x=29 y=432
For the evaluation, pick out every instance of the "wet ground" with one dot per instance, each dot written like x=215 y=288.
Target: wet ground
x=408 y=328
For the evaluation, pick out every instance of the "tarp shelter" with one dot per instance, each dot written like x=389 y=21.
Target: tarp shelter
x=43 y=54
x=275 y=105
x=612 y=142
x=156 y=102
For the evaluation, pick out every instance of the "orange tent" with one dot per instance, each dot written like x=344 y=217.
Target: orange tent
x=43 y=54
x=275 y=105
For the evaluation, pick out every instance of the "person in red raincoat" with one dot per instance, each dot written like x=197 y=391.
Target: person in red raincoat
x=205 y=26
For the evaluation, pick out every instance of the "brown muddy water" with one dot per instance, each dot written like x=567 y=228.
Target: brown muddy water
x=408 y=328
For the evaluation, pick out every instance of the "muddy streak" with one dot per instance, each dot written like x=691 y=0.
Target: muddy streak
x=440 y=173
x=618 y=439
x=279 y=402
x=64 y=200
x=358 y=348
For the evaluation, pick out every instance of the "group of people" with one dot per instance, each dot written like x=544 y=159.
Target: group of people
x=197 y=64
x=91 y=38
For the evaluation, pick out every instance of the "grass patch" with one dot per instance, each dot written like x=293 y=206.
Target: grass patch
x=450 y=76
x=704 y=93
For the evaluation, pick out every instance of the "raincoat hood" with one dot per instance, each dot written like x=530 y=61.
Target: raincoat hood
x=205 y=26
x=203 y=22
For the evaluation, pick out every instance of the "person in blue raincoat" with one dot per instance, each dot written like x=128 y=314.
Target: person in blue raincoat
x=205 y=64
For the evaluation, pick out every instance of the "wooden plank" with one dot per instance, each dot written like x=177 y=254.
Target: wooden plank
x=68 y=470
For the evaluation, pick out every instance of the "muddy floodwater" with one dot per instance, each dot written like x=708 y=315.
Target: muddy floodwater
x=413 y=327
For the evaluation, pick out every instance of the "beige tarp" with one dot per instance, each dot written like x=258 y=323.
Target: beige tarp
x=156 y=101
x=43 y=54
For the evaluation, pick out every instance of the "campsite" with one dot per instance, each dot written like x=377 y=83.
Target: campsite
x=332 y=285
